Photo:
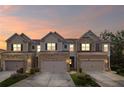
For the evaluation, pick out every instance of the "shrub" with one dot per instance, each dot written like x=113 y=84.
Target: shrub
x=37 y=69
x=32 y=70
x=21 y=70
x=80 y=70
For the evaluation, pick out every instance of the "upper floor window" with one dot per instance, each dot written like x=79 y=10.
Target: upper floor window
x=38 y=48
x=51 y=46
x=71 y=47
x=105 y=47
x=85 y=47
x=16 y=47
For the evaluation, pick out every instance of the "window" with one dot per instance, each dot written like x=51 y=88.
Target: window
x=38 y=48
x=105 y=47
x=16 y=47
x=51 y=46
x=71 y=47
x=85 y=47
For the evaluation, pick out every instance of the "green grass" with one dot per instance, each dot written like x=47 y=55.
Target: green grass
x=83 y=80
x=13 y=79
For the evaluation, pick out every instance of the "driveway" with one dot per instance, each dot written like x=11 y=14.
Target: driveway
x=47 y=80
x=5 y=74
x=108 y=79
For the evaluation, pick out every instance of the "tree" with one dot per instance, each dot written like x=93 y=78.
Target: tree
x=117 y=46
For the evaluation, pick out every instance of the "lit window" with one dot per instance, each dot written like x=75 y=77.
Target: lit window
x=85 y=47
x=38 y=48
x=51 y=46
x=71 y=47
x=16 y=47
x=105 y=47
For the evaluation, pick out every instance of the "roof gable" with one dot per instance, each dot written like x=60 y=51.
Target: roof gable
x=55 y=34
x=25 y=37
x=16 y=36
x=91 y=36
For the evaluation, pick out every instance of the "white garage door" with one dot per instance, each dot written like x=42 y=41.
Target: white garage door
x=53 y=66
x=92 y=65
x=13 y=65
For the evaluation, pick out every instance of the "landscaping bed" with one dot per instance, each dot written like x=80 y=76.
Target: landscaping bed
x=18 y=76
x=13 y=79
x=83 y=80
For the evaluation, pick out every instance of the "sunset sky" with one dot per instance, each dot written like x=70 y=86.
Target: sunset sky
x=70 y=21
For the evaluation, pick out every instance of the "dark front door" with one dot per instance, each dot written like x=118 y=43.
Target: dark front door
x=72 y=64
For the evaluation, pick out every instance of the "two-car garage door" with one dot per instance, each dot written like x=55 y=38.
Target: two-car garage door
x=94 y=65
x=54 y=66
x=13 y=65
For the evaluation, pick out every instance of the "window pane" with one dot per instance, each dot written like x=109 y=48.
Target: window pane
x=87 y=47
x=83 y=47
x=38 y=48
x=71 y=47
x=16 y=47
x=105 y=47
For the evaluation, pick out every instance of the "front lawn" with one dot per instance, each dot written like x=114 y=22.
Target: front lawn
x=13 y=79
x=83 y=80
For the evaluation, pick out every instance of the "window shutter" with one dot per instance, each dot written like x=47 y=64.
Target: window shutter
x=45 y=46
x=80 y=47
x=90 y=47
x=56 y=46
x=21 y=47
x=11 y=47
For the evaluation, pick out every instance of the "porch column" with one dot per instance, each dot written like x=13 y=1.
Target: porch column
x=29 y=64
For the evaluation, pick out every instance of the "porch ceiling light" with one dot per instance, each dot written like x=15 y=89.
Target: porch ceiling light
x=106 y=61
x=68 y=61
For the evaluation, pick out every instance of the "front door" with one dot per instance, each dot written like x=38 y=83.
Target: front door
x=72 y=63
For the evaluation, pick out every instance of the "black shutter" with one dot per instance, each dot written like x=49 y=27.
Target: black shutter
x=90 y=47
x=11 y=47
x=80 y=47
x=45 y=46
x=56 y=46
x=21 y=47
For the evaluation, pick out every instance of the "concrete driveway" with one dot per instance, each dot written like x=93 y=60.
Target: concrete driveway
x=5 y=74
x=108 y=79
x=47 y=80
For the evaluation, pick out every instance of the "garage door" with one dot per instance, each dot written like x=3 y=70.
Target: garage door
x=92 y=65
x=53 y=66
x=13 y=65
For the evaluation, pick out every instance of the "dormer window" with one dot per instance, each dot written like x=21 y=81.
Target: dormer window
x=16 y=47
x=85 y=47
